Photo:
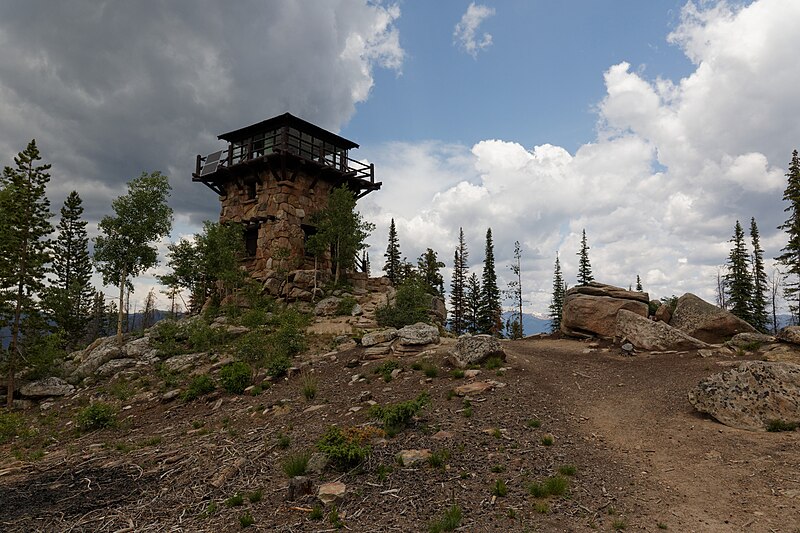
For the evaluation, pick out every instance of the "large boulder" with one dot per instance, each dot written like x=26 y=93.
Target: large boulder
x=418 y=334
x=378 y=337
x=591 y=310
x=707 y=322
x=790 y=334
x=475 y=349
x=46 y=387
x=751 y=395
x=646 y=334
x=327 y=306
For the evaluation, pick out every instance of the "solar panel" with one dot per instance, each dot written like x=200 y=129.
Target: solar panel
x=212 y=163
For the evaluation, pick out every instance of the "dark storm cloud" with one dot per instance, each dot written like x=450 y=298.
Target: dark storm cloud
x=111 y=89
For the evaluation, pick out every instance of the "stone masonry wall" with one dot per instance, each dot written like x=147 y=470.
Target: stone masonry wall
x=280 y=208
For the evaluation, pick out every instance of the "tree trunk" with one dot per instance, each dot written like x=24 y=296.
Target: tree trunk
x=314 y=293
x=12 y=350
x=122 y=276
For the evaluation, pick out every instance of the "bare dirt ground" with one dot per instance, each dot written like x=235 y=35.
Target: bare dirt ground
x=644 y=460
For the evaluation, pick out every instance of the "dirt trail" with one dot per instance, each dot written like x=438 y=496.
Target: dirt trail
x=699 y=474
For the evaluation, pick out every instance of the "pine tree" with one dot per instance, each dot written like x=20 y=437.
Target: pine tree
x=25 y=246
x=473 y=305
x=70 y=295
x=758 y=302
x=392 y=255
x=557 y=301
x=491 y=320
x=514 y=325
x=429 y=266
x=584 y=267
x=639 y=283
x=738 y=279
x=790 y=257
x=125 y=247
x=458 y=286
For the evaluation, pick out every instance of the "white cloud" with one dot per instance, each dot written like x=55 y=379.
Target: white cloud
x=465 y=34
x=674 y=165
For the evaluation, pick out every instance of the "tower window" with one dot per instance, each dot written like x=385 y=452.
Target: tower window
x=251 y=240
x=251 y=190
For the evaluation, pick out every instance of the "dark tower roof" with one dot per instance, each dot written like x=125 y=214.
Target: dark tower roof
x=291 y=121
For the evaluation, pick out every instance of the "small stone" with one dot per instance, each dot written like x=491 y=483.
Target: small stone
x=170 y=395
x=627 y=348
x=354 y=378
x=365 y=396
x=352 y=363
x=396 y=372
x=315 y=408
x=355 y=409
x=471 y=373
x=475 y=387
x=442 y=435
x=412 y=457
x=332 y=492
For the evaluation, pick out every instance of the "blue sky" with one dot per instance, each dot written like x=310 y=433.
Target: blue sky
x=538 y=82
x=654 y=125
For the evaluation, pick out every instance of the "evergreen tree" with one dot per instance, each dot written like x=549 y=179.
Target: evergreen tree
x=473 y=305
x=26 y=248
x=392 y=255
x=557 y=301
x=790 y=257
x=458 y=286
x=737 y=278
x=70 y=295
x=514 y=326
x=429 y=266
x=125 y=247
x=639 y=283
x=491 y=320
x=760 y=282
x=584 y=267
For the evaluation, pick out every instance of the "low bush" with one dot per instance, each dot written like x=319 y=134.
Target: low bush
x=449 y=522
x=164 y=337
x=346 y=305
x=411 y=306
x=386 y=368
x=345 y=449
x=396 y=417
x=309 y=387
x=11 y=425
x=499 y=489
x=552 y=486
x=235 y=377
x=296 y=465
x=200 y=385
x=98 y=415
x=781 y=425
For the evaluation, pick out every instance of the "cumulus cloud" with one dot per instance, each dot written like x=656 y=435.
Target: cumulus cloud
x=466 y=35
x=674 y=165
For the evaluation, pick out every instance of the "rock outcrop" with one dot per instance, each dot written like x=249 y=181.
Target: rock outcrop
x=646 y=334
x=46 y=387
x=790 y=334
x=751 y=395
x=475 y=349
x=707 y=322
x=591 y=310
x=418 y=334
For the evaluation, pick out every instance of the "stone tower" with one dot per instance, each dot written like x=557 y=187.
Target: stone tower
x=272 y=177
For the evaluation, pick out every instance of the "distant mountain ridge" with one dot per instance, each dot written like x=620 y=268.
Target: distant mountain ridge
x=531 y=324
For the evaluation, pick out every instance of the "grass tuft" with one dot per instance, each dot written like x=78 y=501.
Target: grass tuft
x=296 y=465
x=449 y=522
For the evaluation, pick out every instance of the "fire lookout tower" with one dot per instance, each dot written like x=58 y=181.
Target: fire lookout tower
x=273 y=176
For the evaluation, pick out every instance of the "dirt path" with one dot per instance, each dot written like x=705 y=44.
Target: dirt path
x=689 y=471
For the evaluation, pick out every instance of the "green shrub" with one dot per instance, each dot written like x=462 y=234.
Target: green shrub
x=251 y=347
x=438 y=458
x=246 y=520
x=411 y=306
x=449 y=522
x=547 y=439
x=235 y=501
x=567 y=470
x=493 y=363
x=430 y=370
x=781 y=425
x=316 y=513
x=386 y=368
x=164 y=337
x=534 y=423
x=202 y=337
x=288 y=338
x=41 y=354
x=552 y=486
x=309 y=387
x=344 y=448
x=346 y=305
x=255 y=496
x=457 y=373
x=296 y=465
x=283 y=441
x=396 y=417
x=235 y=377
x=499 y=489
x=11 y=425
x=98 y=415
x=277 y=365
x=253 y=318
x=200 y=385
